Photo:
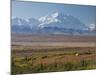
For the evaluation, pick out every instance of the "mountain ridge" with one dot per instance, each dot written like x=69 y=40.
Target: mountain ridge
x=56 y=23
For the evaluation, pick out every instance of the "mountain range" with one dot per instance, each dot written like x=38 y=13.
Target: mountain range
x=56 y=23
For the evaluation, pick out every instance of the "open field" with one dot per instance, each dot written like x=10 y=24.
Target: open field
x=51 y=38
x=47 y=55
x=53 y=59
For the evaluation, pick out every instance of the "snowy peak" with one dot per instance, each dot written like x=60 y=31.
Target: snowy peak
x=30 y=22
x=48 y=19
x=61 y=20
x=19 y=21
x=42 y=19
x=92 y=27
x=55 y=14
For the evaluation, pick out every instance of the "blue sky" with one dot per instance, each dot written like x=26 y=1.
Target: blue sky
x=87 y=14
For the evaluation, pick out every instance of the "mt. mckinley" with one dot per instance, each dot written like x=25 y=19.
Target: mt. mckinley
x=56 y=23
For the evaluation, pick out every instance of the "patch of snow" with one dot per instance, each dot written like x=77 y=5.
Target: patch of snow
x=55 y=15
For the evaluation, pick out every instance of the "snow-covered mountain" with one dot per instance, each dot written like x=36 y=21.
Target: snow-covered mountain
x=46 y=20
x=61 y=20
x=56 y=23
x=24 y=26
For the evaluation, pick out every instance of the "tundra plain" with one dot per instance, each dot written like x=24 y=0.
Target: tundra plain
x=52 y=53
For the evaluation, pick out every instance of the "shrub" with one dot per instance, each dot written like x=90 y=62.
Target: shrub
x=43 y=57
